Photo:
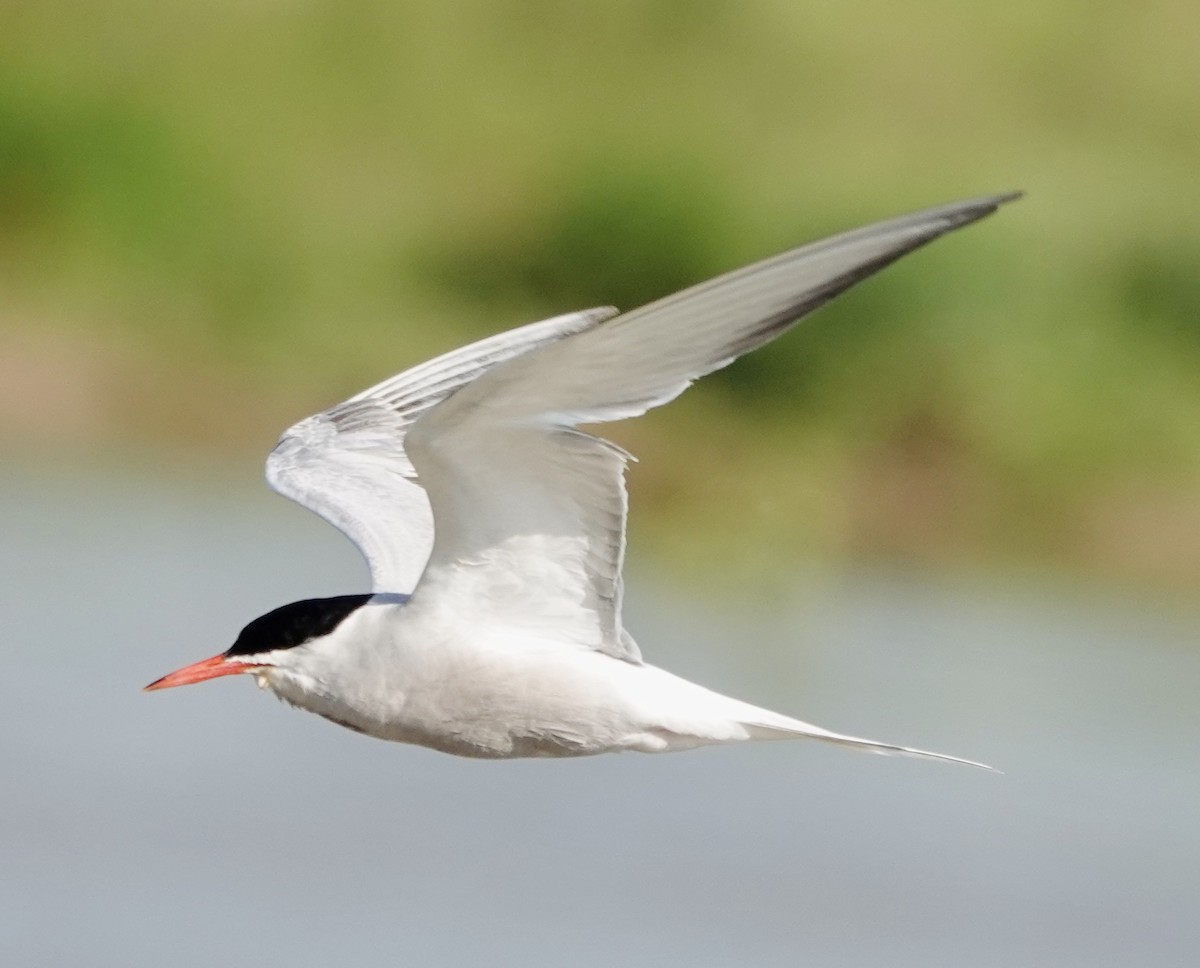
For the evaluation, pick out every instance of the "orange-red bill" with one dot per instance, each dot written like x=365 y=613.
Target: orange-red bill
x=218 y=665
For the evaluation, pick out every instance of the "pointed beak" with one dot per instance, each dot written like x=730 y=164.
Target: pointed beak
x=211 y=668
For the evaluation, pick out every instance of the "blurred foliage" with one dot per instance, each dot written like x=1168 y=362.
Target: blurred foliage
x=216 y=216
x=582 y=249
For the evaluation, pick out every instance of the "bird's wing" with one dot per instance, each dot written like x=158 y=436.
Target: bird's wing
x=530 y=512
x=348 y=463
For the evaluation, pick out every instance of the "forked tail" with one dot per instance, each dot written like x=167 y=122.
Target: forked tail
x=700 y=717
x=775 y=726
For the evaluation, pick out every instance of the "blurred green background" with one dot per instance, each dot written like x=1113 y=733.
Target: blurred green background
x=218 y=217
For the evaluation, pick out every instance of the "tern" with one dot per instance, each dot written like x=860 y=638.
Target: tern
x=494 y=528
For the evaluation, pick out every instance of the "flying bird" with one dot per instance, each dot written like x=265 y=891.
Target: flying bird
x=495 y=529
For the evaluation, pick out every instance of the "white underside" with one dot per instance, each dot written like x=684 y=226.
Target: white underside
x=432 y=678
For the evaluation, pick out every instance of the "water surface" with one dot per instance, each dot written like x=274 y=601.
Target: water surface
x=213 y=826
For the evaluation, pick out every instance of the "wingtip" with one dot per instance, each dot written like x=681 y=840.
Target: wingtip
x=935 y=222
x=976 y=208
x=1004 y=198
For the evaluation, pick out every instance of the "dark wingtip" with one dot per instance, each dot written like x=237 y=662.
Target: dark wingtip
x=974 y=209
x=936 y=222
x=1004 y=198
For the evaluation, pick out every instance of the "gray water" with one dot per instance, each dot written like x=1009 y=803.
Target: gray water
x=213 y=826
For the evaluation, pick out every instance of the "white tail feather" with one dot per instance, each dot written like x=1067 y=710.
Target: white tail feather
x=784 y=727
x=700 y=717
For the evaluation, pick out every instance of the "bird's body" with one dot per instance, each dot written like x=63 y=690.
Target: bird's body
x=495 y=530
x=402 y=674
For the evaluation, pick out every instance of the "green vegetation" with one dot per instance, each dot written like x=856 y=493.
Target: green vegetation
x=216 y=216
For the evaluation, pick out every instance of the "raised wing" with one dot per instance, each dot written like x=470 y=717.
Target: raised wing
x=349 y=466
x=530 y=512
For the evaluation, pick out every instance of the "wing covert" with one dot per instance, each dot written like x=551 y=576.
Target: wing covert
x=348 y=463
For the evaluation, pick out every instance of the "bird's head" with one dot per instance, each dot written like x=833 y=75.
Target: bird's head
x=266 y=644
